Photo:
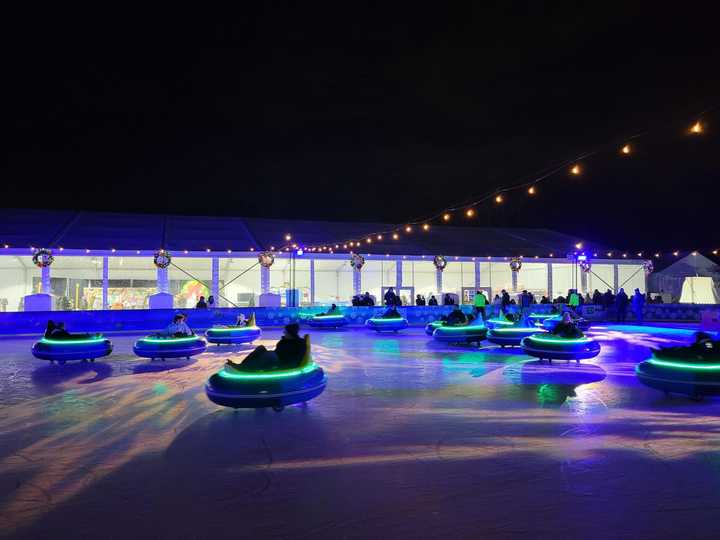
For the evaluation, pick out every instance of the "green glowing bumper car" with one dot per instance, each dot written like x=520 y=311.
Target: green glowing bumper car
x=682 y=370
x=239 y=389
x=223 y=335
x=169 y=347
x=81 y=348
x=552 y=347
x=327 y=321
x=461 y=334
x=499 y=323
x=387 y=325
x=432 y=326
x=511 y=336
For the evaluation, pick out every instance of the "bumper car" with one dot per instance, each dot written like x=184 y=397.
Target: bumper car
x=461 y=334
x=550 y=323
x=387 y=325
x=499 y=323
x=258 y=389
x=537 y=319
x=511 y=336
x=431 y=326
x=81 y=348
x=223 y=335
x=169 y=347
x=682 y=370
x=551 y=347
x=327 y=321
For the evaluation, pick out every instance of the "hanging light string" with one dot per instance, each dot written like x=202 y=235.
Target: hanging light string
x=528 y=183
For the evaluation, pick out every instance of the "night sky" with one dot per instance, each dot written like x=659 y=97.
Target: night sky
x=370 y=113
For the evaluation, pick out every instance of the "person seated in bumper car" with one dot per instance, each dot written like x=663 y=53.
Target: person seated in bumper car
x=288 y=353
x=456 y=317
x=566 y=328
x=177 y=328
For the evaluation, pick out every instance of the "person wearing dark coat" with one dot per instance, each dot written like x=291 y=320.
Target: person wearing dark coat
x=288 y=353
x=390 y=297
x=621 y=305
x=456 y=317
x=433 y=301
x=566 y=327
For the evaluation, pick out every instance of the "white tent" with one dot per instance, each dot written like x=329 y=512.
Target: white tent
x=671 y=279
x=699 y=290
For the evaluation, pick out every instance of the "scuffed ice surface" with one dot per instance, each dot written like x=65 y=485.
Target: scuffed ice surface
x=411 y=439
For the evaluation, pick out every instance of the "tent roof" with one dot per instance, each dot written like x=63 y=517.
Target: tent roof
x=691 y=265
x=106 y=230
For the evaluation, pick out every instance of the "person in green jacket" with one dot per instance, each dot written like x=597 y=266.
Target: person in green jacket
x=480 y=302
x=573 y=301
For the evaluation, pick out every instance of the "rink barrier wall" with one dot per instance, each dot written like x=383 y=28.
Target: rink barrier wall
x=148 y=320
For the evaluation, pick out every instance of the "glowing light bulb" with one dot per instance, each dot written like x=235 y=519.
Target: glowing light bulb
x=112 y=250
x=625 y=149
x=470 y=212
x=531 y=190
x=696 y=128
x=426 y=227
x=408 y=229
x=498 y=199
x=676 y=253
x=229 y=250
x=396 y=236
x=288 y=237
x=694 y=253
x=578 y=245
x=345 y=246
x=369 y=240
x=552 y=254
x=252 y=249
x=657 y=255
x=625 y=255
x=715 y=252
x=609 y=253
x=446 y=217
x=575 y=169
x=379 y=236
x=337 y=246
x=639 y=254
x=61 y=248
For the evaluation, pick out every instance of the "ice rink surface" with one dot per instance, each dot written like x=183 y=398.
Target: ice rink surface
x=411 y=439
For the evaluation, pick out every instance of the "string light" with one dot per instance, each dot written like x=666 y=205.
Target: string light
x=426 y=227
x=575 y=170
x=288 y=237
x=408 y=229
x=395 y=236
x=345 y=246
x=498 y=199
x=675 y=253
x=446 y=217
x=379 y=237
x=369 y=240
x=696 y=128
x=470 y=212
x=625 y=149
x=337 y=246
x=531 y=190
